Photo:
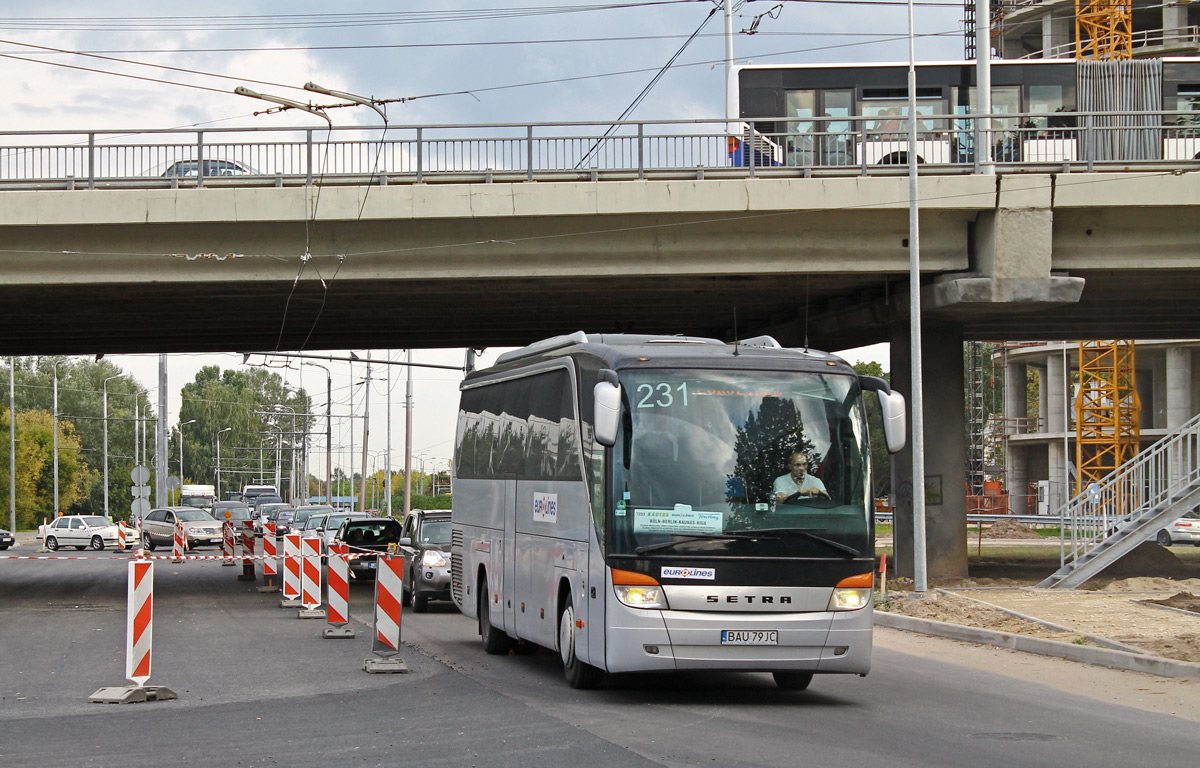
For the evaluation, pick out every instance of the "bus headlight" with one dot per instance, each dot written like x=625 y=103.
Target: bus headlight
x=637 y=590
x=852 y=593
x=849 y=599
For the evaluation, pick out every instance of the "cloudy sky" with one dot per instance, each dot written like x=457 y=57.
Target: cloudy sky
x=159 y=65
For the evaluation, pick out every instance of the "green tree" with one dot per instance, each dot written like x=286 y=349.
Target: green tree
x=256 y=406
x=35 y=462
x=81 y=385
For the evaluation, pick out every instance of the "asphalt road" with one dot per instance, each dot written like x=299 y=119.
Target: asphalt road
x=257 y=686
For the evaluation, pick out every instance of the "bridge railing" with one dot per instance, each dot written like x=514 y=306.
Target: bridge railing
x=873 y=144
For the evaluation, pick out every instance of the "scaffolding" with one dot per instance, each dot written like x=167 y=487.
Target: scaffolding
x=1107 y=410
x=1103 y=29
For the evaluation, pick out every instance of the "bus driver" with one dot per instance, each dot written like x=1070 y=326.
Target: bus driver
x=798 y=483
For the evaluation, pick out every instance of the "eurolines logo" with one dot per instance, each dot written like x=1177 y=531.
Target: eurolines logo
x=675 y=572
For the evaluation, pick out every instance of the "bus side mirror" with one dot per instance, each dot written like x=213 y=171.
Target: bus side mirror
x=891 y=407
x=607 y=417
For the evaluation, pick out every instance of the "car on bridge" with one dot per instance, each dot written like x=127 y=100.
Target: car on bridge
x=191 y=169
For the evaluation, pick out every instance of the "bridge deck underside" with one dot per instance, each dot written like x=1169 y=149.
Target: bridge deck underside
x=267 y=315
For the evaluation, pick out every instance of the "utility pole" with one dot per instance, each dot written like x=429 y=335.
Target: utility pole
x=731 y=107
x=362 y=494
x=408 y=423
x=388 y=453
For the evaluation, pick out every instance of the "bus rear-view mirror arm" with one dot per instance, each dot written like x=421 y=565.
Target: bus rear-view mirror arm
x=607 y=416
x=891 y=408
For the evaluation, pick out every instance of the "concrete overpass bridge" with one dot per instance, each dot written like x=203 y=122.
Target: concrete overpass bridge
x=128 y=263
x=1037 y=256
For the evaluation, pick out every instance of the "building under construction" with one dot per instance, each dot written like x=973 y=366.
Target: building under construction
x=1102 y=29
x=1062 y=428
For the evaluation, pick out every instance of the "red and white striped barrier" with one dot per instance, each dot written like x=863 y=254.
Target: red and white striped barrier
x=338 y=592
x=139 y=621
x=310 y=573
x=180 y=541
x=122 y=536
x=385 y=642
x=247 y=573
x=270 y=555
x=291 y=570
x=227 y=539
x=139 y=640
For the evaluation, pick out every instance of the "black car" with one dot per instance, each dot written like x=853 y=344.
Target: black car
x=6 y=539
x=367 y=537
x=425 y=542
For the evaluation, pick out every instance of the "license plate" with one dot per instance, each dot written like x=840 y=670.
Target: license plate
x=749 y=637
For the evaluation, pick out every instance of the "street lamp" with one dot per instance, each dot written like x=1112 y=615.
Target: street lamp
x=56 y=362
x=104 y=387
x=182 y=424
x=292 y=454
x=328 y=432
x=219 y=432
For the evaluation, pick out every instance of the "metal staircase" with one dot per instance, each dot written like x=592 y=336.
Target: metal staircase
x=1110 y=518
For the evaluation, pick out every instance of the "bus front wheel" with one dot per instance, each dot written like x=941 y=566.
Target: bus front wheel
x=578 y=674
x=495 y=641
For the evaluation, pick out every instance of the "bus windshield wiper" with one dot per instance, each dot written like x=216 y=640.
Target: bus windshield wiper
x=851 y=551
x=699 y=537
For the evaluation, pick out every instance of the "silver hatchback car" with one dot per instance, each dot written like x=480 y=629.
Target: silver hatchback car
x=158 y=527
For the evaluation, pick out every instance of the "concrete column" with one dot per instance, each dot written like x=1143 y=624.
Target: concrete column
x=1016 y=385
x=1179 y=386
x=1043 y=397
x=1174 y=20
x=1154 y=407
x=1056 y=31
x=945 y=453
x=1056 y=425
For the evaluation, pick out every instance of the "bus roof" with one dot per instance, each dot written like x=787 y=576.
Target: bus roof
x=625 y=351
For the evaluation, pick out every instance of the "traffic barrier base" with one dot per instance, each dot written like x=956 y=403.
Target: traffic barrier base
x=378 y=666
x=132 y=694
x=270 y=583
x=337 y=633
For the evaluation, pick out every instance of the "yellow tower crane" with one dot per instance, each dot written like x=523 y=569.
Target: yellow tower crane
x=1107 y=409
x=1104 y=29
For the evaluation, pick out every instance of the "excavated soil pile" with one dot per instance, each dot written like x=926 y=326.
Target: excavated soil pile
x=1148 y=559
x=1009 y=529
x=1184 y=601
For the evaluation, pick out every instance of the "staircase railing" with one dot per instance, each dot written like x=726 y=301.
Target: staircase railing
x=1137 y=491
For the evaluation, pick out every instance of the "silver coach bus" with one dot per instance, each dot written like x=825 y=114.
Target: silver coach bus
x=643 y=503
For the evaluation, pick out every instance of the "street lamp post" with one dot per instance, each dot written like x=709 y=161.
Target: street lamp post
x=328 y=432
x=219 y=433
x=104 y=387
x=182 y=424
x=56 y=362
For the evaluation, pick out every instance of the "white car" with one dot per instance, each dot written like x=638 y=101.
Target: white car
x=1185 y=530
x=79 y=531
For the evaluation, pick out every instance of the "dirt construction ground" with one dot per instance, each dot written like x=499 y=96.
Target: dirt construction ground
x=1148 y=601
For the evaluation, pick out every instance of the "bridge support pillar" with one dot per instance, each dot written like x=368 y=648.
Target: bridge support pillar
x=945 y=452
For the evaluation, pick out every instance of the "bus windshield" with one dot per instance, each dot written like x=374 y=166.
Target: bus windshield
x=741 y=463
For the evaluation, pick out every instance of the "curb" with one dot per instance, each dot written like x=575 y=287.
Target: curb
x=1132 y=662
